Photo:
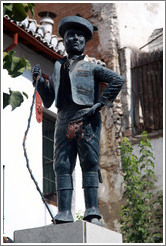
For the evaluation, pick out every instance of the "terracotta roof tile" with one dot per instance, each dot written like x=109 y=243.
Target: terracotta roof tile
x=51 y=41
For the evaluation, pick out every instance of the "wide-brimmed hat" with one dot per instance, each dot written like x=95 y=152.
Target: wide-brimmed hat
x=69 y=22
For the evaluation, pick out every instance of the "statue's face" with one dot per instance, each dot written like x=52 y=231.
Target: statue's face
x=74 y=41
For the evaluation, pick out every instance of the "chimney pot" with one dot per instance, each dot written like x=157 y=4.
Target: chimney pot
x=47 y=20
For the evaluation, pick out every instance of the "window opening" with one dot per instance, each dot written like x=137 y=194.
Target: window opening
x=49 y=183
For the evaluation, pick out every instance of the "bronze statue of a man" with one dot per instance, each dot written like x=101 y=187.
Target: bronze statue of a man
x=74 y=86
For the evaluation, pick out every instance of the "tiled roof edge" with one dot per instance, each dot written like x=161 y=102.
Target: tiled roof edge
x=53 y=42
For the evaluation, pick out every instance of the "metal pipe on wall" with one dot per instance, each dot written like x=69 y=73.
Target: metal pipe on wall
x=15 y=42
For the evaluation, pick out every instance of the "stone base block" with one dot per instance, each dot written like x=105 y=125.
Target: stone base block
x=77 y=232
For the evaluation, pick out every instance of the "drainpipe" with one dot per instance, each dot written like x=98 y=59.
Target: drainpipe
x=15 y=42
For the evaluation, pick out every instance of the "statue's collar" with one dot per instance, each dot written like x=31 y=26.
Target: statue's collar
x=81 y=57
x=73 y=62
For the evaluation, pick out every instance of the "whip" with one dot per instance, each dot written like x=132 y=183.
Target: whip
x=26 y=156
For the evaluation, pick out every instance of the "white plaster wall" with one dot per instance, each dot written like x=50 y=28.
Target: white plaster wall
x=23 y=207
x=138 y=19
x=33 y=57
x=79 y=192
x=157 y=146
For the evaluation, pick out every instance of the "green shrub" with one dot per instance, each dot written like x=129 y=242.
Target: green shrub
x=141 y=215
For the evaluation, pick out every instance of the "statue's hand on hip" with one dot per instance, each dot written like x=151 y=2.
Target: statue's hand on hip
x=96 y=107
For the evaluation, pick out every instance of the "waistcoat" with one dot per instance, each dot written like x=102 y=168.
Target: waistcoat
x=82 y=82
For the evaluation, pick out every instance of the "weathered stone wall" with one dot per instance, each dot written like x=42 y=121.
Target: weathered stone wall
x=105 y=17
x=110 y=192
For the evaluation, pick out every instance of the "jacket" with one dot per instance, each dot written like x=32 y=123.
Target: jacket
x=85 y=78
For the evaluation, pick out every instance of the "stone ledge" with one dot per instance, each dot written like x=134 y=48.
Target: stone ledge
x=77 y=232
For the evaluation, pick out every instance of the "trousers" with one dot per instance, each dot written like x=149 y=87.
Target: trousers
x=82 y=138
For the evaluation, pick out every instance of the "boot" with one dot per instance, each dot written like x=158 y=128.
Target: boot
x=92 y=213
x=64 y=207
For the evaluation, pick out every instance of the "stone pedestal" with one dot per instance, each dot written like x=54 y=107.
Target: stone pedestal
x=77 y=232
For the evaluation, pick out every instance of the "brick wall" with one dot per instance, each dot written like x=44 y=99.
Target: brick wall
x=65 y=9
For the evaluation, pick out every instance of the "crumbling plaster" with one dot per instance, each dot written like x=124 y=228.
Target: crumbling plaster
x=110 y=191
x=137 y=20
x=121 y=26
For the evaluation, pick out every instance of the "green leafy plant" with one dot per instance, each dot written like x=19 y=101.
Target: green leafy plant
x=18 y=11
x=14 y=98
x=15 y=65
x=141 y=215
x=79 y=215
